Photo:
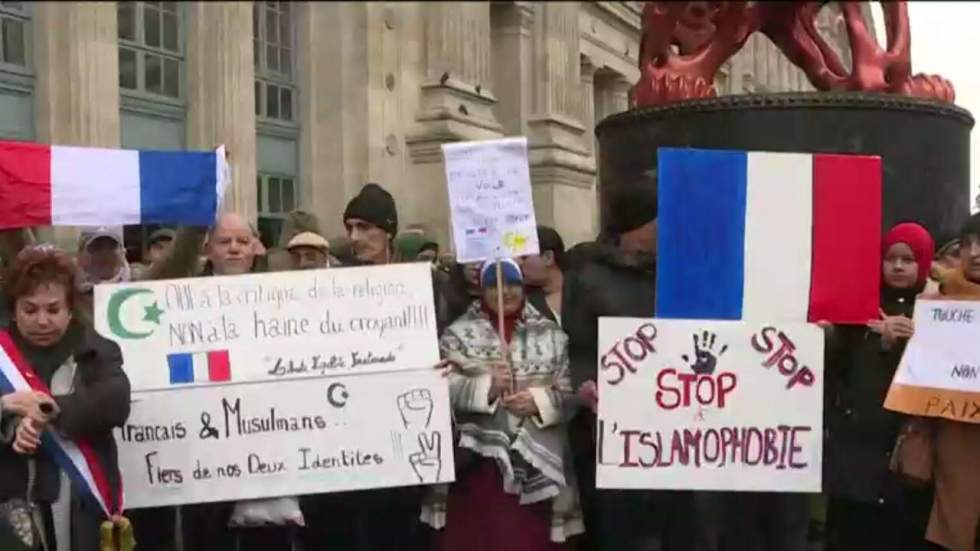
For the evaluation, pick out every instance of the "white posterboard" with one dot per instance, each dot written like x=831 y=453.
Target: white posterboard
x=709 y=405
x=279 y=384
x=490 y=199
x=939 y=375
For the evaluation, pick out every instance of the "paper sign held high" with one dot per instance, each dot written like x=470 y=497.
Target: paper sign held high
x=490 y=199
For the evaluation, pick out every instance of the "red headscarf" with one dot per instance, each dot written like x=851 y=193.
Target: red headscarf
x=919 y=240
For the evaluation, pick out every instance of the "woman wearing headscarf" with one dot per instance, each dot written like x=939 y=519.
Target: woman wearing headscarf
x=870 y=508
x=89 y=396
x=514 y=488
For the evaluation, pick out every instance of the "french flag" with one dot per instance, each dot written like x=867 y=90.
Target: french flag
x=768 y=236
x=76 y=458
x=45 y=185
x=199 y=367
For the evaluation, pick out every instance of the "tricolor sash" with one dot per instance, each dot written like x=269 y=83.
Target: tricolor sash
x=76 y=457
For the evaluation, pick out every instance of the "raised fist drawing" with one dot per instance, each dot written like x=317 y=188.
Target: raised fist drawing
x=427 y=462
x=705 y=356
x=416 y=408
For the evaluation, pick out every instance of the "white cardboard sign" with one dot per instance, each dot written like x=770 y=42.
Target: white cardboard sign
x=939 y=375
x=709 y=405
x=279 y=384
x=490 y=199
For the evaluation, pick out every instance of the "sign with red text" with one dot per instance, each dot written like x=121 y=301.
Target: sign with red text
x=939 y=375
x=279 y=384
x=709 y=405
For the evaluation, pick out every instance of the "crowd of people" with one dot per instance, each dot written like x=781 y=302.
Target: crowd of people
x=523 y=413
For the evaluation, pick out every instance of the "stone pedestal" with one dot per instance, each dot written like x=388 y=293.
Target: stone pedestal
x=924 y=145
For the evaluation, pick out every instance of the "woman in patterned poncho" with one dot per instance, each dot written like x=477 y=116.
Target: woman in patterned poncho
x=514 y=489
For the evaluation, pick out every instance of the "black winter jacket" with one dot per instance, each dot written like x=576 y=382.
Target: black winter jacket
x=611 y=284
x=861 y=433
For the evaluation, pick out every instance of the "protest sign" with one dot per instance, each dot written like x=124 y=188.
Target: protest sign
x=939 y=375
x=490 y=200
x=709 y=405
x=279 y=384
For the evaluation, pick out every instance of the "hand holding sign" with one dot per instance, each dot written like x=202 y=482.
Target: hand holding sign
x=416 y=408
x=892 y=328
x=427 y=462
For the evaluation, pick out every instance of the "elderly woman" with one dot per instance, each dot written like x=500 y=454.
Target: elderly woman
x=515 y=490
x=89 y=396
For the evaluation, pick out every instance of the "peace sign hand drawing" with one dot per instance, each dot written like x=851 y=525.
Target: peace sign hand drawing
x=427 y=462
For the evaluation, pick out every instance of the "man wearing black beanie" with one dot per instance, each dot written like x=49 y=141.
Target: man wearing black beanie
x=617 y=281
x=371 y=220
x=378 y=519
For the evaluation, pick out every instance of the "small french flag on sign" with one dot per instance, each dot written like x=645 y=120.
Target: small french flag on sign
x=199 y=367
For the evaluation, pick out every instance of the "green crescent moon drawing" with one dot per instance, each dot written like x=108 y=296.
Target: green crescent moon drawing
x=115 y=304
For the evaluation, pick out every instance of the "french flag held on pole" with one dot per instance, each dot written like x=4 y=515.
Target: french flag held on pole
x=44 y=185
x=768 y=236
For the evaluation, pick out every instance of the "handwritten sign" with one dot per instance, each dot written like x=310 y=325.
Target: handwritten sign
x=279 y=384
x=939 y=375
x=492 y=209
x=710 y=405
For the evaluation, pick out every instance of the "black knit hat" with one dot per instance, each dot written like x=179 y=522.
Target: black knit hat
x=374 y=205
x=631 y=206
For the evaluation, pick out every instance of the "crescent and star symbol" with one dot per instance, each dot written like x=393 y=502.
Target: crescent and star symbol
x=151 y=313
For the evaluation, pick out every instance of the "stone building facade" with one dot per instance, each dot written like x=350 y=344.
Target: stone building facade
x=313 y=99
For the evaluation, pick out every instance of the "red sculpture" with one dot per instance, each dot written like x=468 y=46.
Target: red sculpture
x=684 y=44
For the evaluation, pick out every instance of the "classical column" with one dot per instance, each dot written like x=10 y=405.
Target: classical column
x=456 y=100
x=221 y=92
x=76 y=61
x=455 y=103
x=562 y=168
x=512 y=50
x=323 y=166
x=588 y=70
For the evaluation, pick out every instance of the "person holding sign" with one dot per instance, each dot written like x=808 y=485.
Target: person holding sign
x=384 y=518
x=618 y=280
x=515 y=488
x=955 y=516
x=61 y=384
x=870 y=508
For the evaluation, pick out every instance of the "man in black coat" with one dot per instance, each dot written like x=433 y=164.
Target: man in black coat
x=618 y=280
x=378 y=519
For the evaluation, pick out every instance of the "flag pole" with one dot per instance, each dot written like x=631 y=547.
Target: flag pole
x=504 y=347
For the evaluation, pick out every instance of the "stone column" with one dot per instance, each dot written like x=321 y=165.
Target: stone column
x=512 y=51
x=562 y=169
x=221 y=92
x=455 y=103
x=588 y=70
x=456 y=99
x=77 y=88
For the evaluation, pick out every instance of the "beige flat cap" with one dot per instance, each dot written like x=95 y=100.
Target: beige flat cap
x=308 y=239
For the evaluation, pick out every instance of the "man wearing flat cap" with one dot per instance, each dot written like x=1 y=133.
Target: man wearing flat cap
x=308 y=251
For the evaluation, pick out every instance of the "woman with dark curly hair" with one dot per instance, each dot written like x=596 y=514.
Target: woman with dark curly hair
x=89 y=397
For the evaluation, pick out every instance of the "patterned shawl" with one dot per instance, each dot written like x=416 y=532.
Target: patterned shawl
x=530 y=452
